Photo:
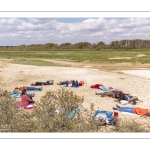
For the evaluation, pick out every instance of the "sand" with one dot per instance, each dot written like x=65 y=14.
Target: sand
x=134 y=82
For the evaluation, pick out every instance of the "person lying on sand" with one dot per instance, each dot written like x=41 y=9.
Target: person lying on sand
x=106 y=117
x=109 y=92
x=48 y=82
x=119 y=95
x=134 y=110
x=65 y=83
x=127 y=97
x=18 y=89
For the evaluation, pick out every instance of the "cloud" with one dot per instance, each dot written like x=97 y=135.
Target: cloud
x=43 y=30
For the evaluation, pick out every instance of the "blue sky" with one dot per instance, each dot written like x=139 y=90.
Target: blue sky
x=18 y=31
x=70 y=20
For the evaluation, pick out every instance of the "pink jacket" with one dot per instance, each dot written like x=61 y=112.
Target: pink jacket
x=25 y=100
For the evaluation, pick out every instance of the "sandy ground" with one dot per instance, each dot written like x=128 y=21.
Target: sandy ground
x=135 y=82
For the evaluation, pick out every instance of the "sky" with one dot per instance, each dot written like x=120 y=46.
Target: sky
x=18 y=31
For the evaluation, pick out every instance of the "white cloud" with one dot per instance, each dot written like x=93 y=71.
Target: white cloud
x=10 y=21
x=43 y=30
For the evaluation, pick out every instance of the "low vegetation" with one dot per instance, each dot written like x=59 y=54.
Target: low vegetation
x=36 y=62
x=45 y=118
x=92 y=56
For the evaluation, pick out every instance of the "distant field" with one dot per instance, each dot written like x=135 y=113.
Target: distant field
x=34 y=62
x=99 y=56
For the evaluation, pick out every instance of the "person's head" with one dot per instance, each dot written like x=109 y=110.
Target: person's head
x=23 y=92
x=101 y=119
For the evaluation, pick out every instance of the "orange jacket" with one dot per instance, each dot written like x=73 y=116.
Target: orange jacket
x=140 y=111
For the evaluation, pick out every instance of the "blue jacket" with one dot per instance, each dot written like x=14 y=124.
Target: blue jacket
x=107 y=115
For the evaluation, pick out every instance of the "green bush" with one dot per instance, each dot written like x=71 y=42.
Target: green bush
x=68 y=104
x=72 y=116
x=13 y=118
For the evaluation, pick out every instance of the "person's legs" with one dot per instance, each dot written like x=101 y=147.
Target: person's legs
x=29 y=95
x=126 y=109
x=30 y=88
x=73 y=83
x=107 y=94
x=33 y=88
x=66 y=84
x=32 y=102
x=62 y=83
x=121 y=96
x=77 y=84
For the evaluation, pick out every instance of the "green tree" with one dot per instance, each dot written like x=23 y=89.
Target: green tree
x=65 y=45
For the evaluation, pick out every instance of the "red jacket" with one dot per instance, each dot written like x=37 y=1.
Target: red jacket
x=25 y=100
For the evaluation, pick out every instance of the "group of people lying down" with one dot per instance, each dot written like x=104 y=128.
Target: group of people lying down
x=119 y=95
x=109 y=118
x=26 y=99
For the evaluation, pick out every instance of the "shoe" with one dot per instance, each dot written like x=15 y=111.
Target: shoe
x=32 y=102
x=134 y=103
x=115 y=108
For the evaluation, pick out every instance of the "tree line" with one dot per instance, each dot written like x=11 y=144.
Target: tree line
x=120 y=44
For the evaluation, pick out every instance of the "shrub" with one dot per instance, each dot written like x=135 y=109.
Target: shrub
x=12 y=117
x=127 y=125
x=72 y=116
